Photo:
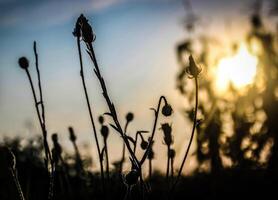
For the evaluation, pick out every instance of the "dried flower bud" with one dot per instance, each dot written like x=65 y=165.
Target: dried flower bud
x=167 y=110
x=144 y=144
x=23 y=62
x=129 y=117
x=131 y=177
x=104 y=131
x=167 y=130
x=72 y=135
x=101 y=119
x=193 y=70
x=86 y=30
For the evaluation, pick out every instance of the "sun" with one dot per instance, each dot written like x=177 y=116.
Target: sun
x=238 y=70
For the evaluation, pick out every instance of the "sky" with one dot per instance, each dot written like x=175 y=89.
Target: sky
x=135 y=47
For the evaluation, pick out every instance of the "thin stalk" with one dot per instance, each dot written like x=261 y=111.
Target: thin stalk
x=39 y=82
x=90 y=111
x=150 y=168
x=17 y=184
x=41 y=103
x=128 y=189
x=107 y=159
x=48 y=156
x=172 y=168
x=168 y=163
x=123 y=151
x=191 y=137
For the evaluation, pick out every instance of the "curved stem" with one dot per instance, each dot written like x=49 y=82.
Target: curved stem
x=162 y=98
x=90 y=110
x=191 y=137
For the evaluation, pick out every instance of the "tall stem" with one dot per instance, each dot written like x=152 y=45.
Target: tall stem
x=191 y=137
x=90 y=111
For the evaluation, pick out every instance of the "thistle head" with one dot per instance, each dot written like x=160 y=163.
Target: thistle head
x=129 y=117
x=193 y=70
x=167 y=110
x=23 y=62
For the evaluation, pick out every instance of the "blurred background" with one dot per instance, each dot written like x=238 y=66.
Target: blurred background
x=142 y=48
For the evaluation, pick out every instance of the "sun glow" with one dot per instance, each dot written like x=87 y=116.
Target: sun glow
x=238 y=70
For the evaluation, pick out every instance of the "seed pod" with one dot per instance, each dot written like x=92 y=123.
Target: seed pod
x=131 y=177
x=167 y=110
x=23 y=62
x=104 y=131
x=144 y=144
x=129 y=117
x=72 y=135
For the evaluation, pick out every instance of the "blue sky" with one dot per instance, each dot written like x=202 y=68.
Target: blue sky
x=135 y=47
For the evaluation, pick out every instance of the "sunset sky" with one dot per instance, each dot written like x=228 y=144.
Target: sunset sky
x=135 y=47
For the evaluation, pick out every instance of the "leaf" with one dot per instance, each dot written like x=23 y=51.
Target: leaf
x=130 y=139
x=143 y=131
x=115 y=127
x=107 y=113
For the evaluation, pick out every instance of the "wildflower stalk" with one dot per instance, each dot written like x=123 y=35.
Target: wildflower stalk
x=191 y=137
x=90 y=110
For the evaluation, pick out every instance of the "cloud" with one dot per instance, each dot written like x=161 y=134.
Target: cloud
x=47 y=12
